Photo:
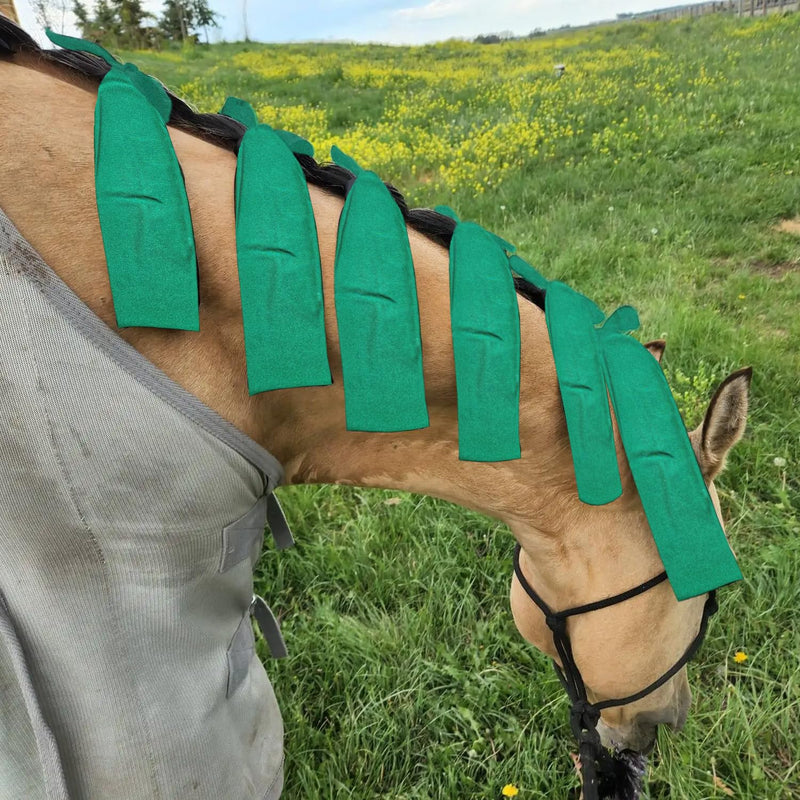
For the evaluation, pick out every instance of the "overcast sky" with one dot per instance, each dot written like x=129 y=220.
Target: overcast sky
x=392 y=21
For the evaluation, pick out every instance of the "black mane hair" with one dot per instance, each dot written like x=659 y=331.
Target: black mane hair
x=226 y=132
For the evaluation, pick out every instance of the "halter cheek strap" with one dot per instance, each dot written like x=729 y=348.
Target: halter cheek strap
x=596 y=762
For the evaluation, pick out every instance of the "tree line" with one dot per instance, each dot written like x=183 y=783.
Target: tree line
x=126 y=24
x=509 y=36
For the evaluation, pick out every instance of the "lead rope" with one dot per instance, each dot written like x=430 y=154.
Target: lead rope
x=598 y=766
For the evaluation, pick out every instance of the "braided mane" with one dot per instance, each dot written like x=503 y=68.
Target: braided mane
x=227 y=133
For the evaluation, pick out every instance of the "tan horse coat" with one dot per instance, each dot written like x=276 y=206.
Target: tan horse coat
x=573 y=553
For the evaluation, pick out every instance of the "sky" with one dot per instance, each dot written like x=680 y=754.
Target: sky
x=389 y=21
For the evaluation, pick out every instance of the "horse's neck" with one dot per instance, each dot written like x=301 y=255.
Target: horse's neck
x=46 y=188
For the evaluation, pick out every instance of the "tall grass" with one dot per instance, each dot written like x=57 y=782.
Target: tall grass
x=654 y=172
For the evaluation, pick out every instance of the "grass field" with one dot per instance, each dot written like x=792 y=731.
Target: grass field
x=656 y=171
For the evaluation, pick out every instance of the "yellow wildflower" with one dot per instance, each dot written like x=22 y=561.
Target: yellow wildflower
x=509 y=790
x=739 y=657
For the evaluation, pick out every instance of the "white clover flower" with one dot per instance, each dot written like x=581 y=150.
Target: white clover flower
x=778 y=461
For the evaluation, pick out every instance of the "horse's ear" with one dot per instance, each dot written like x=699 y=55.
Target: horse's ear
x=657 y=348
x=724 y=423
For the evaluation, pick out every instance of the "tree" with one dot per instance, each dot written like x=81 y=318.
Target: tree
x=105 y=19
x=205 y=16
x=81 y=16
x=116 y=23
x=131 y=15
x=47 y=12
x=124 y=23
x=42 y=12
x=181 y=19
x=173 y=20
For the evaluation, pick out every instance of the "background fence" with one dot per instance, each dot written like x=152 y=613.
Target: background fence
x=742 y=7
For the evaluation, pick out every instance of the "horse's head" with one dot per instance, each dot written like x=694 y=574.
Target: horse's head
x=590 y=553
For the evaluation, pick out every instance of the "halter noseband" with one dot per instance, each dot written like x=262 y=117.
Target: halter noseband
x=584 y=716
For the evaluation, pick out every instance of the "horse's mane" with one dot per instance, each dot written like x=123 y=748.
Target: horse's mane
x=226 y=132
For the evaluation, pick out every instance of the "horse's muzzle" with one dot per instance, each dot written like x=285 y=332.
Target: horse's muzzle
x=639 y=733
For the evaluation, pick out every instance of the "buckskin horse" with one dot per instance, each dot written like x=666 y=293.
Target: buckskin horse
x=572 y=553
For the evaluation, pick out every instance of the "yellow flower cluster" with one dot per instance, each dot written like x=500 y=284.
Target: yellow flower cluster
x=458 y=116
x=309 y=122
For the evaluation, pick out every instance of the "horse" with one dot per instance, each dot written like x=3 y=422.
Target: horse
x=572 y=553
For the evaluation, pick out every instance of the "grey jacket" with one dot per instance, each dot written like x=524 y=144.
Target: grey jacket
x=131 y=516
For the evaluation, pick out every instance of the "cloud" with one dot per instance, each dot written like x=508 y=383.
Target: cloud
x=435 y=9
x=419 y=21
x=522 y=6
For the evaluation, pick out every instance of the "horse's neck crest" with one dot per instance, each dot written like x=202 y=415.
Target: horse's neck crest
x=147 y=235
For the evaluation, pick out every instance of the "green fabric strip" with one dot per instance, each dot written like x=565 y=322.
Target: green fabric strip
x=689 y=537
x=144 y=212
x=141 y=200
x=486 y=344
x=624 y=319
x=279 y=268
x=81 y=45
x=147 y=85
x=346 y=161
x=241 y=111
x=297 y=144
x=447 y=212
x=526 y=271
x=571 y=318
x=377 y=313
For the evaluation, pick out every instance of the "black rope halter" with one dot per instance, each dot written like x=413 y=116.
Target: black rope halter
x=596 y=761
